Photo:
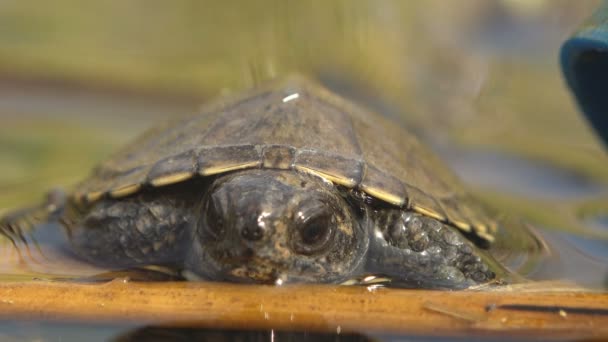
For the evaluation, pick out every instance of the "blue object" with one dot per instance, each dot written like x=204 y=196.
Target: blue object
x=584 y=60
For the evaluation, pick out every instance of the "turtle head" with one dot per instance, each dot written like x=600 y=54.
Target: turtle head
x=271 y=226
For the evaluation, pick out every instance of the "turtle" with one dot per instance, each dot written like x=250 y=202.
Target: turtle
x=285 y=183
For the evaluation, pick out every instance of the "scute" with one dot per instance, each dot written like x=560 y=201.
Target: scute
x=316 y=132
x=278 y=157
x=383 y=186
x=221 y=159
x=343 y=171
x=174 y=169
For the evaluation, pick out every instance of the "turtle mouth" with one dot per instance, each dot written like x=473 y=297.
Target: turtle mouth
x=261 y=273
x=255 y=269
x=249 y=267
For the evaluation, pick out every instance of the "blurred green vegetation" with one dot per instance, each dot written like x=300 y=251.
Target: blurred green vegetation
x=52 y=154
x=195 y=47
x=537 y=119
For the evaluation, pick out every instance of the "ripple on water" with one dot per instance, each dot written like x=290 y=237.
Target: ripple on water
x=40 y=252
x=583 y=260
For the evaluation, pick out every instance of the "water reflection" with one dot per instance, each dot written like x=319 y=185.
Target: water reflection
x=68 y=332
x=47 y=331
x=512 y=174
x=192 y=334
x=598 y=222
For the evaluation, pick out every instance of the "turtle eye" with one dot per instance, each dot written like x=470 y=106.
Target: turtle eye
x=214 y=220
x=313 y=233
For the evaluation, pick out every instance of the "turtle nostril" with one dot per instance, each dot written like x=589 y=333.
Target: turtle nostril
x=252 y=233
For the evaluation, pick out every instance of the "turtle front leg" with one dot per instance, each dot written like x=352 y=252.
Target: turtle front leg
x=419 y=251
x=131 y=232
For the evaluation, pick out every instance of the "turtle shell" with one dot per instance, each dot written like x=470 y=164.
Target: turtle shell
x=294 y=124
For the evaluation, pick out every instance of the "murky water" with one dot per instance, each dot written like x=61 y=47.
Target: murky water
x=521 y=147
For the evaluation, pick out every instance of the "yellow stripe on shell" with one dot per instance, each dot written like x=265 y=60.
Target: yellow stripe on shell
x=462 y=226
x=78 y=198
x=480 y=227
x=93 y=196
x=485 y=236
x=223 y=169
x=492 y=227
x=171 y=179
x=428 y=212
x=347 y=182
x=383 y=195
x=125 y=190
